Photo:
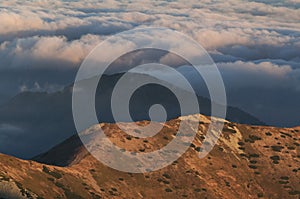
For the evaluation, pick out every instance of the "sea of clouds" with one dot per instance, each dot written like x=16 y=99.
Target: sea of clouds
x=255 y=44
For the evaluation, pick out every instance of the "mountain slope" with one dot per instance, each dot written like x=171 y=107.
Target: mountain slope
x=247 y=162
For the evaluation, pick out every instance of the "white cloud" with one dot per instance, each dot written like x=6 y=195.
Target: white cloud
x=39 y=52
x=265 y=74
x=214 y=24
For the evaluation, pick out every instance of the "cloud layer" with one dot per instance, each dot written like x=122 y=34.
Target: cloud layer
x=255 y=44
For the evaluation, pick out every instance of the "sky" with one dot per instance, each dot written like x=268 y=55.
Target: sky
x=255 y=45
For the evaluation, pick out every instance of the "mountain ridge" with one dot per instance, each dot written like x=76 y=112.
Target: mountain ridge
x=33 y=113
